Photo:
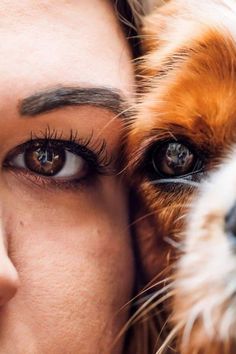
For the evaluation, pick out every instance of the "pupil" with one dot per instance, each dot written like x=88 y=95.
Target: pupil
x=44 y=156
x=178 y=158
x=46 y=160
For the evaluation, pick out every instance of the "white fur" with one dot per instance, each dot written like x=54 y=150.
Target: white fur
x=208 y=266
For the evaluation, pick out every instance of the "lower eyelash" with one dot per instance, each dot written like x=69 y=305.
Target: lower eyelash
x=46 y=182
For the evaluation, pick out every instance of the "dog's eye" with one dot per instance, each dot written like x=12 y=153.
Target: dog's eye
x=173 y=159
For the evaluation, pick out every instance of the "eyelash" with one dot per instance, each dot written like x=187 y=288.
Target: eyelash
x=93 y=151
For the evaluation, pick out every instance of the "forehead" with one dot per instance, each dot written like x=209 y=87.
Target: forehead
x=48 y=43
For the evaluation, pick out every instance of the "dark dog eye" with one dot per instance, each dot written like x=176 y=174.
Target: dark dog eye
x=174 y=159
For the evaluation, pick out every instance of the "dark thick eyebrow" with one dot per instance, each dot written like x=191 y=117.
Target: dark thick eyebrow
x=55 y=98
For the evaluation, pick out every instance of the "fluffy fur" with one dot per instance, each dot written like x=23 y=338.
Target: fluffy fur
x=187 y=84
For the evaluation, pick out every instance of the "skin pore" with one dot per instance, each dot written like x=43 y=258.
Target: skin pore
x=66 y=263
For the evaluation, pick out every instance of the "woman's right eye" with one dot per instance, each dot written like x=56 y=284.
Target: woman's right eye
x=60 y=161
x=50 y=160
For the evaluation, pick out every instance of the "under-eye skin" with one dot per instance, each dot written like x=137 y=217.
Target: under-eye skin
x=59 y=162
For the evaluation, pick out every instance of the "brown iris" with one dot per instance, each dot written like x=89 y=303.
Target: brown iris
x=45 y=159
x=173 y=159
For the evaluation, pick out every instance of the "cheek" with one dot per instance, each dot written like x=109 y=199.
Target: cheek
x=73 y=264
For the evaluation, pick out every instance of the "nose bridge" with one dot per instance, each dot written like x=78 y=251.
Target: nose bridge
x=9 y=280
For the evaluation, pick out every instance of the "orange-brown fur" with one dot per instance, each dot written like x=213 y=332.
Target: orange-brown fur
x=187 y=85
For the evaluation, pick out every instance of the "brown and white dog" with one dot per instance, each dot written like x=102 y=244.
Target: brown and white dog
x=181 y=153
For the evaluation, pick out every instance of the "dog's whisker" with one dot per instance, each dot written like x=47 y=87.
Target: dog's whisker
x=164 y=334
x=155 y=295
x=144 y=307
x=181 y=217
x=144 y=299
x=176 y=206
x=176 y=181
x=169 y=338
x=148 y=312
x=173 y=243
x=155 y=284
x=149 y=302
x=125 y=112
x=158 y=302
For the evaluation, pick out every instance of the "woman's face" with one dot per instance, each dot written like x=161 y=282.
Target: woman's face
x=66 y=265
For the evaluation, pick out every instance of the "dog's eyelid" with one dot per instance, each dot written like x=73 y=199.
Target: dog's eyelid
x=142 y=159
x=140 y=155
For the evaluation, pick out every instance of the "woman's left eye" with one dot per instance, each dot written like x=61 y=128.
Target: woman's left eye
x=48 y=159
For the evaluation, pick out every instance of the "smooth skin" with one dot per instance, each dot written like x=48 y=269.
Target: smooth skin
x=66 y=262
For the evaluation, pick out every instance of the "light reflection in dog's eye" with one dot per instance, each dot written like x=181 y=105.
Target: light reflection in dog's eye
x=173 y=159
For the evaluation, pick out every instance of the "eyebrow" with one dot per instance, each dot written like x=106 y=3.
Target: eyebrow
x=59 y=97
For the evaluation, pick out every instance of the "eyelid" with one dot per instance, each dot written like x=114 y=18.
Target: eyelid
x=94 y=152
x=72 y=163
x=98 y=160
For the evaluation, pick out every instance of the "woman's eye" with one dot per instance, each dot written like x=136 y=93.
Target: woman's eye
x=50 y=159
x=174 y=159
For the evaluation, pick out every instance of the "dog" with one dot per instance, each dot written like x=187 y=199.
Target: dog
x=181 y=163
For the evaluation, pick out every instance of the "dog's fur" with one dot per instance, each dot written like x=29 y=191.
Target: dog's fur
x=187 y=83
